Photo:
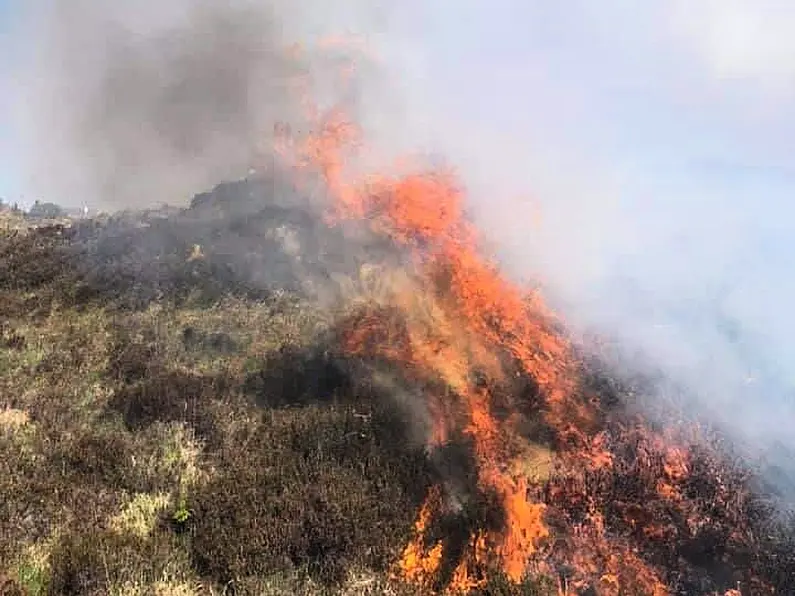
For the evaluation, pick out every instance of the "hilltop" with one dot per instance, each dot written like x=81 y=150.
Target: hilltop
x=183 y=412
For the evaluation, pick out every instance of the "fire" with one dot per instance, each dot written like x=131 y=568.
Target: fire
x=424 y=213
x=467 y=338
x=417 y=563
x=456 y=316
x=476 y=314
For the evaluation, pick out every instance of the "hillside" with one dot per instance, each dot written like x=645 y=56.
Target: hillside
x=240 y=398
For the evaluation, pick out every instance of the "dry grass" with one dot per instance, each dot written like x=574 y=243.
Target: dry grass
x=12 y=419
x=13 y=221
x=136 y=456
x=139 y=517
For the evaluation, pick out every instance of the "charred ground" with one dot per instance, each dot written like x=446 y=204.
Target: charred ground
x=176 y=417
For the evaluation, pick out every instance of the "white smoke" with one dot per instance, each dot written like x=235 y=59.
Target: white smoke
x=637 y=159
x=621 y=152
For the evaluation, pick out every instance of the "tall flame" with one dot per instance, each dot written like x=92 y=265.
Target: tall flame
x=464 y=334
x=477 y=315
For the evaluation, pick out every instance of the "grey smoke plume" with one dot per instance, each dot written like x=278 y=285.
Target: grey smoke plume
x=133 y=104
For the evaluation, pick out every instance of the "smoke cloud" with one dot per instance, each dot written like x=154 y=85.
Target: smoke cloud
x=605 y=156
x=619 y=159
x=128 y=105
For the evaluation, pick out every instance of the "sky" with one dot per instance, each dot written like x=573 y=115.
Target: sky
x=9 y=183
x=637 y=158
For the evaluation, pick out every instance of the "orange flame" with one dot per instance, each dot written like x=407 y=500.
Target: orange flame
x=462 y=332
x=479 y=313
x=418 y=564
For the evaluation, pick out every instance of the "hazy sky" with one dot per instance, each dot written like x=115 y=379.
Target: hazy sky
x=656 y=141
x=9 y=183
x=638 y=156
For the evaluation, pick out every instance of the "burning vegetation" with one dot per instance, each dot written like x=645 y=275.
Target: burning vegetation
x=540 y=473
x=172 y=422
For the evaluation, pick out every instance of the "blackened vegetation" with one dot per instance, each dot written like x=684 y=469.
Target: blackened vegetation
x=36 y=272
x=173 y=397
x=218 y=342
x=236 y=240
x=293 y=376
x=313 y=488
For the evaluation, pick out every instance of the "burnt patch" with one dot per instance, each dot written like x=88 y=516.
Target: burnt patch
x=35 y=272
x=217 y=343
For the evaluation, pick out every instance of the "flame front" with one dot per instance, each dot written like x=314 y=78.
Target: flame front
x=418 y=563
x=497 y=374
x=475 y=312
x=461 y=331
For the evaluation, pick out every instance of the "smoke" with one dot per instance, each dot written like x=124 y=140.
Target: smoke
x=607 y=155
x=130 y=105
x=611 y=158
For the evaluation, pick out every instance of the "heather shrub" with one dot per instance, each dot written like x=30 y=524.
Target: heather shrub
x=312 y=487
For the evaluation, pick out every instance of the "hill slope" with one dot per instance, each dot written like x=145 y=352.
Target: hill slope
x=182 y=411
